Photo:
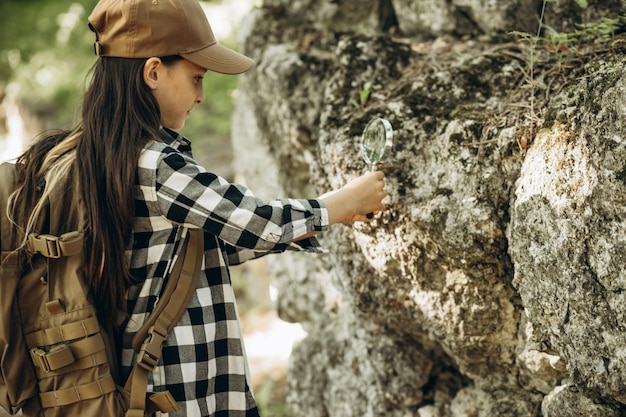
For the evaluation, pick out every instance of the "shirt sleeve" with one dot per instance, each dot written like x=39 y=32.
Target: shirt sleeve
x=238 y=255
x=192 y=197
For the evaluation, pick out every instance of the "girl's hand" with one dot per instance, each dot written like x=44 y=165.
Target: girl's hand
x=356 y=199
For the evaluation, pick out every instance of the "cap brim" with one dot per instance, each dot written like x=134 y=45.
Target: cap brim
x=220 y=59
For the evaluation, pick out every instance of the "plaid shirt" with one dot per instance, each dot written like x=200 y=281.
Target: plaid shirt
x=203 y=363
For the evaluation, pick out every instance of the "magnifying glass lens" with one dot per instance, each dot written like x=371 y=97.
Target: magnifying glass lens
x=375 y=137
x=373 y=145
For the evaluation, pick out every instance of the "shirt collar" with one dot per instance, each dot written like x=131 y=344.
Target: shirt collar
x=175 y=140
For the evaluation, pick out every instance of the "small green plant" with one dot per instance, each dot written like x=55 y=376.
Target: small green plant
x=364 y=95
x=552 y=52
x=571 y=47
x=566 y=49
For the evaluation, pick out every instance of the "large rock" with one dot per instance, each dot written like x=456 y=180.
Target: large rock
x=493 y=284
x=568 y=237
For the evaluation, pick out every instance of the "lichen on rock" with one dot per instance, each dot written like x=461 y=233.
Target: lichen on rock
x=493 y=284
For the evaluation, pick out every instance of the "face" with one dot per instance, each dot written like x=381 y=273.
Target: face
x=177 y=88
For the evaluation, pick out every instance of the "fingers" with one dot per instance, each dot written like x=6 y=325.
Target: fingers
x=377 y=193
x=367 y=193
x=372 y=203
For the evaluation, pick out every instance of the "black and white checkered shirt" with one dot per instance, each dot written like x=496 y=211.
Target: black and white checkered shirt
x=203 y=363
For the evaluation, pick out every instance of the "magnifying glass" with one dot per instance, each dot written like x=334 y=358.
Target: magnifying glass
x=377 y=140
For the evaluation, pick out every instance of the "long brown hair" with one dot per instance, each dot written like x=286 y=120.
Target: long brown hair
x=119 y=114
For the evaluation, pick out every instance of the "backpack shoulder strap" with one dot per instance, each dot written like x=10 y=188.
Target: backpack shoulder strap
x=149 y=339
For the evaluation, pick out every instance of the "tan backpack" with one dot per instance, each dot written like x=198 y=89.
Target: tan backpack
x=55 y=357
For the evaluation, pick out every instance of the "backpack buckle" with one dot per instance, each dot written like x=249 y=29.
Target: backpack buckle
x=47 y=245
x=150 y=352
x=39 y=359
x=58 y=357
x=55 y=247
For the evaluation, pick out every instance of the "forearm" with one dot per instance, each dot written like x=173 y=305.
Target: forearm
x=339 y=206
x=338 y=209
x=354 y=200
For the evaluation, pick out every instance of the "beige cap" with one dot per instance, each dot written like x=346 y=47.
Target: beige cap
x=158 y=28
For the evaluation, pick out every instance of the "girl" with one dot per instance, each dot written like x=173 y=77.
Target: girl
x=142 y=191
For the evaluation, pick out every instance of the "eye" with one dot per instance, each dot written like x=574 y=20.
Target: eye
x=198 y=78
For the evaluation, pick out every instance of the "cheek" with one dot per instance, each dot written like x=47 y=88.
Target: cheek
x=168 y=98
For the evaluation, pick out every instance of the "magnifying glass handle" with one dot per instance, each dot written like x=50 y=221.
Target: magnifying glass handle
x=371 y=215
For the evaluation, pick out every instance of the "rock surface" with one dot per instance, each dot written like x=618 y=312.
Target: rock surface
x=494 y=283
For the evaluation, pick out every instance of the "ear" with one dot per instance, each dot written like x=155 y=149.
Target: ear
x=151 y=70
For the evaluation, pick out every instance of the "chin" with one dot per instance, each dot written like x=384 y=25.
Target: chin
x=174 y=126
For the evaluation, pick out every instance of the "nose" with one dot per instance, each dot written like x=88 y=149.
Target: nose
x=200 y=97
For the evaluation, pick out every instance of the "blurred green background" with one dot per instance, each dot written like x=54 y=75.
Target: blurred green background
x=46 y=50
